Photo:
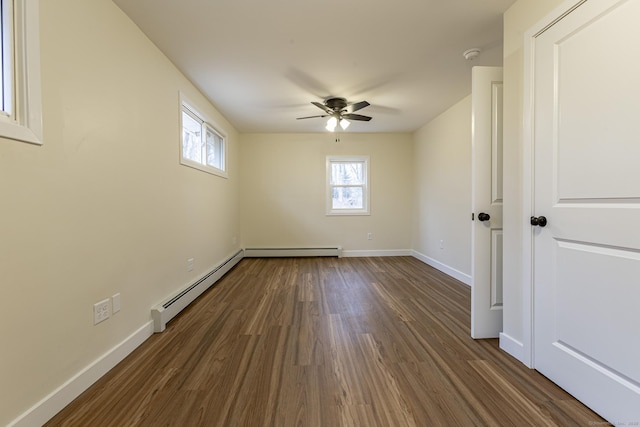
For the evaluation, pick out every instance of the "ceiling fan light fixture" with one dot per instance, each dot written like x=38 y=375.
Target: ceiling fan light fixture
x=339 y=112
x=331 y=124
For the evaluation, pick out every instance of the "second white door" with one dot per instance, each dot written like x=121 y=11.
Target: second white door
x=486 y=189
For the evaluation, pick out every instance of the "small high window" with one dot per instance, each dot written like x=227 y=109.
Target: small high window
x=20 y=93
x=347 y=185
x=6 y=56
x=202 y=145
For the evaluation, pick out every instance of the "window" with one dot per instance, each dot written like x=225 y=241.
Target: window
x=202 y=145
x=20 y=103
x=6 y=55
x=347 y=185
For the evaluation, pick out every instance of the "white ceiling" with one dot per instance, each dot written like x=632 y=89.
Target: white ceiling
x=261 y=63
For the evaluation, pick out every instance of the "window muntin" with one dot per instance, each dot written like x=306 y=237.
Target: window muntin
x=202 y=145
x=347 y=185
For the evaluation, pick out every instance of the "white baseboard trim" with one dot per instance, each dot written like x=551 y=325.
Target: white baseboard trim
x=456 y=274
x=374 y=253
x=512 y=346
x=44 y=410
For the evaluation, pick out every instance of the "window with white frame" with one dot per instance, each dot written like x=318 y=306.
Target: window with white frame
x=6 y=54
x=202 y=145
x=20 y=93
x=347 y=185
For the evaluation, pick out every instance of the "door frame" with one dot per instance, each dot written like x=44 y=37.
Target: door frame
x=528 y=342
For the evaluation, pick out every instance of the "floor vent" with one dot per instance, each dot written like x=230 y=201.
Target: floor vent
x=166 y=311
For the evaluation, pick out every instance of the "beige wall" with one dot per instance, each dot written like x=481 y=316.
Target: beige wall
x=104 y=205
x=284 y=191
x=517 y=20
x=442 y=164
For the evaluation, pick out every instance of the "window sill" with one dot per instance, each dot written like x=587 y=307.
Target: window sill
x=19 y=133
x=348 y=213
x=204 y=168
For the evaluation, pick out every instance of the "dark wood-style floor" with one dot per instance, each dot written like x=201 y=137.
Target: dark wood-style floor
x=325 y=342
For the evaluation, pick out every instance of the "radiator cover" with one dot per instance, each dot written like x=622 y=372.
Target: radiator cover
x=293 y=252
x=167 y=310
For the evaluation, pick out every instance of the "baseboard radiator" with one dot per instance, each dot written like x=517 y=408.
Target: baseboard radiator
x=335 y=251
x=166 y=311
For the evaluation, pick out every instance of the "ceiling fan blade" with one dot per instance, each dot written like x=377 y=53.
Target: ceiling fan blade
x=357 y=106
x=356 y=117
x=312 y=117
x=322 y=107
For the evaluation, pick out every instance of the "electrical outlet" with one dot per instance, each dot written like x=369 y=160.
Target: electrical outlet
x=101 y=311
x=441 y=244
x=369 y=236
x=115 y=303
x=234 y=240
x=190 y=264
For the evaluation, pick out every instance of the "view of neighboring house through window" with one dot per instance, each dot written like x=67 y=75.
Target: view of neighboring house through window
x=347 y=185
x=203 y=146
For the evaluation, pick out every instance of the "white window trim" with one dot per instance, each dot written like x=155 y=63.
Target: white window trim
x=25 y=124
x=194 y=110
x=366 y=191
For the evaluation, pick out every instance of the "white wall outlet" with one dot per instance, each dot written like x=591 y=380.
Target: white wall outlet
x=369 y=236
x=190 y=264
x=234 y=240
x=441 y=244
x=115 y=303
x=101 y=311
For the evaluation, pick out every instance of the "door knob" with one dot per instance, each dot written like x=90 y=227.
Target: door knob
x=540 y=221
x=484 y=216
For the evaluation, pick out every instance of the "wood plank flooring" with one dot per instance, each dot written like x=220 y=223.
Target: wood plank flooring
x=325 y=342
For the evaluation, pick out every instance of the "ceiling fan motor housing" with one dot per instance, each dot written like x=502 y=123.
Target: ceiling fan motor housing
x=340 y=109
x=336 y=104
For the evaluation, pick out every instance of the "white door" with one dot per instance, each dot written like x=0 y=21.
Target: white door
x=486 y=154
x=586 y=266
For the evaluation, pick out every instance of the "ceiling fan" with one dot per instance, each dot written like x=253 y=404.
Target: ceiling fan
x=339 y=112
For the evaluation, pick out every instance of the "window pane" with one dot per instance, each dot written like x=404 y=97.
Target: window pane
x=6 y=58
x=345 y=173
x=191 y=138
x=347 y=198
x=215 y=147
